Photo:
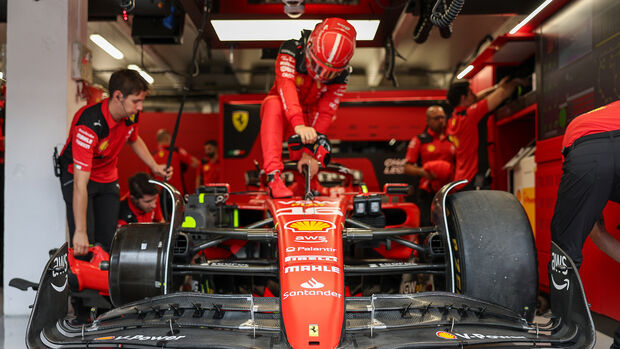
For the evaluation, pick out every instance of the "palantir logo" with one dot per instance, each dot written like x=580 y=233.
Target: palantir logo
x=312 y=283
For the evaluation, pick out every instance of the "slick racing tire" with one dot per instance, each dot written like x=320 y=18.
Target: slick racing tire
x=138 y=262
x=493 y=249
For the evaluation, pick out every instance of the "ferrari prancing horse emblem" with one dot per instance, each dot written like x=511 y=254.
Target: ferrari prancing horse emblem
x=240 y=119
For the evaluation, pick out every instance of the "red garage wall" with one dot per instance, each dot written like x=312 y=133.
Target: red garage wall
x=194 y=130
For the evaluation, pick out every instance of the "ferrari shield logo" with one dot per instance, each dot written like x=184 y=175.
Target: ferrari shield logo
x=313 y=330
x=240 y=119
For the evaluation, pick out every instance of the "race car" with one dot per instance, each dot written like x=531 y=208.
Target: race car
x=321 y=270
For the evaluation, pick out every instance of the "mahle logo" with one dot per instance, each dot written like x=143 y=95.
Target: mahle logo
x=310 y=226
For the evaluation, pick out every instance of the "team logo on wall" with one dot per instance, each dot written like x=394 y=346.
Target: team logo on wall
x=305 y=226
x=240 y=119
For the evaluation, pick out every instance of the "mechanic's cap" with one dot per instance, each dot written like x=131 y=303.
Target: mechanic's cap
x=330 y=48
x=456 y=90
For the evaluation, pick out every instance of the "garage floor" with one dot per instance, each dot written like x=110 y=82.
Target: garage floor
x=13 y=330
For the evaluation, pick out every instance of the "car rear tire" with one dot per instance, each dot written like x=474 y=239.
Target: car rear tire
x=493 y=249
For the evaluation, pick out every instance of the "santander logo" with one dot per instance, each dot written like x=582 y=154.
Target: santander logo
x=312 y=283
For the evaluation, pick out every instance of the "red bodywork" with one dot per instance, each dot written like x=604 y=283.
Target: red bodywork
x=311 y=269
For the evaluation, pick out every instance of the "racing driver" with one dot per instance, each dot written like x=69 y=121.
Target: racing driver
x=311 y=77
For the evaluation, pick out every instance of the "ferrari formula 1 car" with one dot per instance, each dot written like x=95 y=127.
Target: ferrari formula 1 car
x=323 y=269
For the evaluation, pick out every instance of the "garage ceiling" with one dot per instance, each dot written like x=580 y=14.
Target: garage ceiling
x=237 y=67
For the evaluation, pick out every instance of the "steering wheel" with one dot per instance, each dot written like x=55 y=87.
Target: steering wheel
x=321 y=149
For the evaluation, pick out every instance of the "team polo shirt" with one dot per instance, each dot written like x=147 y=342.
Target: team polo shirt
x=95 y=140
x=209 y=171
x=130 y=213
x=439 y=148
x=463 y=132
x=603 y=119
x=179 y=156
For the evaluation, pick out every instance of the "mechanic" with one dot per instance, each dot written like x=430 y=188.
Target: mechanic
x=430 y=157
x=181 y=159
x=209 y=169
x=141 y=205
x=590 y=178
x=469 y=110
x=311 y=77
x=89 y=176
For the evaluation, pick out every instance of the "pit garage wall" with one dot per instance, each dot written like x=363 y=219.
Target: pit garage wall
x=362 y=117
x=194 y=130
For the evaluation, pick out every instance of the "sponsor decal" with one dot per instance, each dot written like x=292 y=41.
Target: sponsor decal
x=302 y=268
x=82 y=137
x=559 y=266
x=311 y=258
x=321 y=293
x=299 y=81
x=306 y=226
x=240 y=119
x=60 y=268
x=314 y=210
x=430 y=148
x=140 y=337
x=308 y=239
x=382 y=265
x=307 y=203
x=224 y=264
x=310 y=249
x=313 y=330
x=312 y=283
x=82 y=144
x=285 y=69
x=448 y=335
x=103 y=145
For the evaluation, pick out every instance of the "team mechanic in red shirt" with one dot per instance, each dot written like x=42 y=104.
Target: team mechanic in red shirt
x=469 y=109
x=590 y=178
x=209 y=169
x=311 y=77
x=430 y=157
x=180 y=158
x=89 y=177
x=142 y=203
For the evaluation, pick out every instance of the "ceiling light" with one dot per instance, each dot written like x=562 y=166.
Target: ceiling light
x=142 y=73
x=106 y=46
x=281 y=29
x=465 y=71
x=529 y=18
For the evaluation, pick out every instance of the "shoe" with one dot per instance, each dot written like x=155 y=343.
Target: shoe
x=276 y=188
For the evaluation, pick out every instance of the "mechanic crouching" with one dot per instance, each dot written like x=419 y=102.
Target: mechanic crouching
x=311 y=77
x=142 y=203
x=590 y=178
x=88 y=172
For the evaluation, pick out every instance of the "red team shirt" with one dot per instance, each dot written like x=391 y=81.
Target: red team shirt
x=603 y=119
x=95 y=140
x=130 y=213
x=463 y=132
x=208 y=171
x=180 y=156
x=440 y=148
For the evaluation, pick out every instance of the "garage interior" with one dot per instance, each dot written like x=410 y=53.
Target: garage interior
x=48 y=47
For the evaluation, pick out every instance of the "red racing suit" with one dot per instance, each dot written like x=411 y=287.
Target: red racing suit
x=296 y=99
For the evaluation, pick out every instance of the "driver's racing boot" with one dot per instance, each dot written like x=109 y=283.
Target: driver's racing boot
x=276 y=187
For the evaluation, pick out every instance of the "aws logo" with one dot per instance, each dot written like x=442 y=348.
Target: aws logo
x=445 y=335
x=305 y=226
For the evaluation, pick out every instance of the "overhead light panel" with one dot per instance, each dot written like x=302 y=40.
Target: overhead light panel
x=142 y=73
x=281 y=29
x=529 y=18
x=106 y=46
x=465 y=71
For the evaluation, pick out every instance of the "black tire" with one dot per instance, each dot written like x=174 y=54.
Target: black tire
x=493 y=249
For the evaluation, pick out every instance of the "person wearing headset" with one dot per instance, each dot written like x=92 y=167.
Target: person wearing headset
x=311 y=77
x=89 y=176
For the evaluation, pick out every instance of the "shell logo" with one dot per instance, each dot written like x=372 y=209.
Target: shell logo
x=445 y=335
x=309 y=226
x=430 y=148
